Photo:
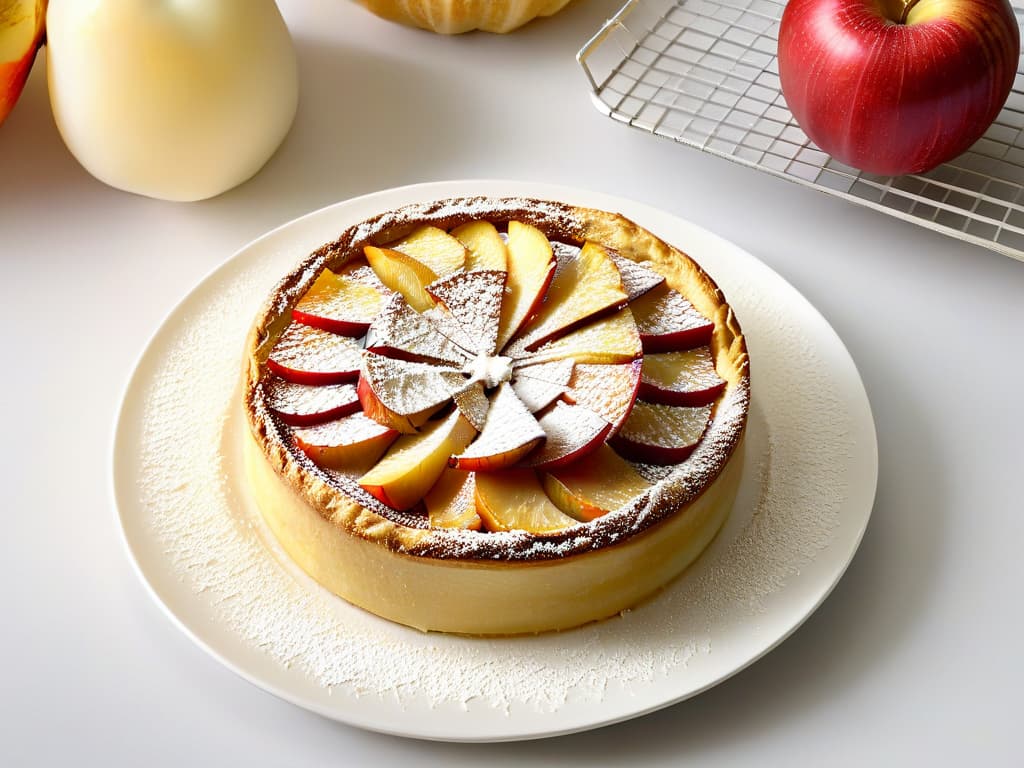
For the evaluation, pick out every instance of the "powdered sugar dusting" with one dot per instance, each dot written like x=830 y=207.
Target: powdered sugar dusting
x=637 y=279
x=291 y=399
x=304 y=348
x=474 y=299
x=408 y=387
x=665 y=311
x=401 y=327
x=194 y=497
x=568 y=429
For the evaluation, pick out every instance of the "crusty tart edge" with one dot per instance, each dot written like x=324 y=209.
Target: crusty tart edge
x=560 y=222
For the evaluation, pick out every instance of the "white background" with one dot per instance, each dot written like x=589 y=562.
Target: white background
x=916 y=655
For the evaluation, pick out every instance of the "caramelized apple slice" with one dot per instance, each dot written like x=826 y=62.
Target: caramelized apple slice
x=402 y=273
x=637 y=279
x=485 y=248
x=612 y=339
x=661 y=434
x=537 y=394
x=307 y=355
x=531 y=266
x=400 y=331
x=415 y=462
x=554 y=372
x=474 y=300
x=353 y=442
x=514 y=500
x=449 y=327
x=607 y=390
x=583 y=288
x=510 y=432
x=451 y=503
x=680 y=378
x=538 y=386
x=343 y=303
x=570 y=431
x=435 y=248
x=668 y=322
x=404 y=394
x=598 y=483
x=301 y=405
x=408 y=424
x=473 y=403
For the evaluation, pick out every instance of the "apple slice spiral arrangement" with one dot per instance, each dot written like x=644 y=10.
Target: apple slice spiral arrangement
x=495 y=415
x=494 y=380
x=897 y=86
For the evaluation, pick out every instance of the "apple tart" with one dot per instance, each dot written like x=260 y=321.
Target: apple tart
x=495 y=415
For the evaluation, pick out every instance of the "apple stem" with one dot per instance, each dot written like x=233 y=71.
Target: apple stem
x=906 y=11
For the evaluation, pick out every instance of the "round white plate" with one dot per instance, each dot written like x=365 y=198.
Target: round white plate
x=192 y=531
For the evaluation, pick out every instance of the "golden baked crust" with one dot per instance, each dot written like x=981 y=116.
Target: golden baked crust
x=456 y=16
x=354 y=525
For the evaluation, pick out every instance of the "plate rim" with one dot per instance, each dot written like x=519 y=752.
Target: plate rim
x=439 y=190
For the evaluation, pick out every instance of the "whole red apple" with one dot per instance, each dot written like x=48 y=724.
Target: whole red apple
x=893 y=87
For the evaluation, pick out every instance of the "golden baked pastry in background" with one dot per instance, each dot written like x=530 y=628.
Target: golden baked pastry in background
x=452 y=17
x=495 y=415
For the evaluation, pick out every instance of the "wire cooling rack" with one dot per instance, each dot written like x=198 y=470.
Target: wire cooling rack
x=704 y=73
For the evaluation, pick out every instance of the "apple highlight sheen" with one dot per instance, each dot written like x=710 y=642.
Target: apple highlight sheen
x=893 y=87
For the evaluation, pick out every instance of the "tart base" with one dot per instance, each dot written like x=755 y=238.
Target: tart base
x=463 y=597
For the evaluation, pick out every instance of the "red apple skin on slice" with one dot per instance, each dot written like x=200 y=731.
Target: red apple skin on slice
x=307 y=355
x=409 y=388
x=661 y=434
x=353 y=442
x=668 y=322
x=301 y=405
x=570 y=431
x=344 y=303
x=583 y=288
x=451 y=502
x=415 y=462
x=531 y=267
x=610 y=339
x=403 y=274
x=509 y=433
x=600 y=482
x=407 y=424
x=514 y=500
x=680 y=378
x=607 y=390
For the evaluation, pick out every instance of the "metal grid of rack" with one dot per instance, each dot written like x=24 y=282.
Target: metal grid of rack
x=704 y=73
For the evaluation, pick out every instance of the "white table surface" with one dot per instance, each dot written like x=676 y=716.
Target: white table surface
x=916 y=654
